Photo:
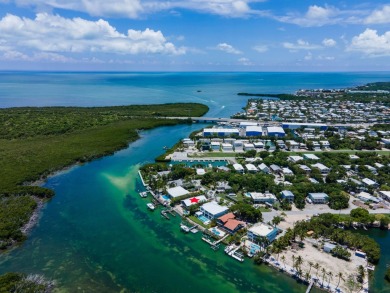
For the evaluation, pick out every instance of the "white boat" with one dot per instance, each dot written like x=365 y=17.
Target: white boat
x=185 y=228
x=143 y=194
x=151 y=206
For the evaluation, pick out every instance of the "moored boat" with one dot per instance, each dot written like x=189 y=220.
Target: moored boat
x=150 y=206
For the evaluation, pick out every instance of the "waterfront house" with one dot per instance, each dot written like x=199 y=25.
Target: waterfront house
x=194 y=200
x=318 y=198
x=213 y=210
x=229 y=223
x=287 y=195
x=261 y=233
x=177 y=191
x=215 y=146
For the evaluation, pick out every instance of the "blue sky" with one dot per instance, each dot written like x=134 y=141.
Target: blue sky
x=195 y=35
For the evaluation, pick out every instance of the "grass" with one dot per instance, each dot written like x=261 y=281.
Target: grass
x=35 y=142
x=197 y=221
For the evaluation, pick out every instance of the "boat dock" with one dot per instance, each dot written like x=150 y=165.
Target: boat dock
x=164 y=214
x=310 y=286
x=232 y=251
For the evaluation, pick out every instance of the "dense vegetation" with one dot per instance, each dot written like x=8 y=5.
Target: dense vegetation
x=35 y=142
x=15 y=282
x=375 y=86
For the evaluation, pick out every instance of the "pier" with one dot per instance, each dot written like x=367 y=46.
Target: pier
x=310 y=286
x=164 y=214
x=142 y=179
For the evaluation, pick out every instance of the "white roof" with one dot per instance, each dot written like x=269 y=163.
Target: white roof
x=311 y=156
x=263 y=166
x=254 y=128
x=249 y=145
x=238 y=167
x=261 y=230
x=248 y=123
x=215 y=143
x=200 y=171
x=227 y=145
x=214 y=208
x=295 y=158
x=217 y=130
x=275 y=129
x=190 y=201
x=177 y=191
x=385 y=193
x=259 y=195
x=320 y=166
x=368 y=181
x=251 y=167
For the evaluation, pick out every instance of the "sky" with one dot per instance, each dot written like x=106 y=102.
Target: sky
x=195 y=35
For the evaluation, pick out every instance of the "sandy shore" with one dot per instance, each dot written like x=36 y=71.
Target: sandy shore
x=34 y=217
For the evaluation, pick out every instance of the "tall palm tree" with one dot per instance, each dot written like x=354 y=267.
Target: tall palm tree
x=330 y=275
x=299 y=261
x=317 y=267
x=307 y=276
x=293 y=264
x=310 y=265
x=341 y=277
x=283 y=258
x=323 y=271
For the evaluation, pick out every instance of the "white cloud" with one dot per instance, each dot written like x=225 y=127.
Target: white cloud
x=329 y=42
x=327 y=58
x=228 y=48
x=315 y=16
x=53 y=33
x=245 y=61
x=371 y=44
x=300 y=45
x=137 y=8
x=260 y=48
x=308 y=56
x=379 y=16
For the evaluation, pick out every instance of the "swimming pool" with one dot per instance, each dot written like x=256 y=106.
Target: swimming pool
x=204 y=220
x=166 y=197
x=215 y=231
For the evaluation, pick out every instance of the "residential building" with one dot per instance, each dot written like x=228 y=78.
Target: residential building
x=213 y=210
x=318 y=198
x=260 y=232
x=287 y=195
x=229 y=223
x=258 y=197
x=177 y=192
x=323 y=169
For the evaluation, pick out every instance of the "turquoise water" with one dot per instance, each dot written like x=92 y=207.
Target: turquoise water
x=96 y=234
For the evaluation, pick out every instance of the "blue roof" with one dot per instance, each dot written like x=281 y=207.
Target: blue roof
x=287 y=193
x=319 y=195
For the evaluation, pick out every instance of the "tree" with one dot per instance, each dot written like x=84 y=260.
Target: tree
x=330 y=275
x=283 y=258
x=387 y=275
x=323 y=271
x=247 y=212
x=310 y=265
x=341 y=277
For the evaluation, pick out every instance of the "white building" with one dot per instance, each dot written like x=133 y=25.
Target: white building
x=310 y=157
x=259 y=232
x=177 y=191
x=323 y=169
x=213 y=210
x=239 y=168
x=251 y=168
x=227 y=147
x=259 y=197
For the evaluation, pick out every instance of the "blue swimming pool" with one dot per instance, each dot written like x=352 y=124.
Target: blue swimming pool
x=215 y=231
x=166 y=197
x=204 y=219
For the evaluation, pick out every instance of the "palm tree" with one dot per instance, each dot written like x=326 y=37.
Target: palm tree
x=310 y=265
x=330 y=275
x=299 y=262
x=323 y=271
x=341 y=277
x=307 y=276
x=283 y=258
x=317 y=267
x=293 y=264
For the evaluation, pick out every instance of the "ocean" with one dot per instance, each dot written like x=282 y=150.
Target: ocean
x=96 y=234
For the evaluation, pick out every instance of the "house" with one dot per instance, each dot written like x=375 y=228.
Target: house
x=227 y=147
x=258 y=145
x=187 y=142
x=369 y=182
x=264 y=168
x=238 y=145
x=260 y=232
x=366 y=197
x=258 y=197
x=287 y=171
x=281 y=144
x=177 y=191
x=275 y=131
x=353 y=157
x=200 y=171
x=215 y=146
x=316 y=146
x=310 y=157
x=253 y=130
x=328 y=247
x=287 y=195
x=294 y=159
x=249 y=146
x=314 y=181
x=186 y=203
x=275 y=168
x=229 y=223
x=305 y=168
x=251 y=168
x=318 y=198
x=293 y=144
x=223 y=186
x=325 y=143
x=323 y=169
x=238 y=167
x=213 y=210
x=384 y=194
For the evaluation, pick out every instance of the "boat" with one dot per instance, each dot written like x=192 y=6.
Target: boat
x=143 y=194
x=184 y=228
x=150 y=206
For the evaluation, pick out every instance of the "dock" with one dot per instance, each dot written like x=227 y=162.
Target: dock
x=142 y=179
x=234 y=254
x=310 y=286
x=164 y=214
